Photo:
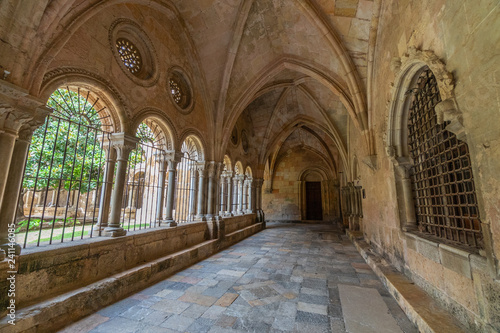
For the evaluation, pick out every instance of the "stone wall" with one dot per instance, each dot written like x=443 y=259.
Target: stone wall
x=286 y=201
x=460 y=34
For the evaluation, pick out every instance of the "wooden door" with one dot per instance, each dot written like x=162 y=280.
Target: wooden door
x=314 y=210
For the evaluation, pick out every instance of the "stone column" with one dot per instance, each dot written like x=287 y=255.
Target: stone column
x=194 y=190
x=212 y=170
x=201 y=187
x=403 y=173
x=20 y=114
x=240 y=194
x=123 y=144
x=172 y=159
x=244 y=207
x=235 y=195
x=251 y=199
x=223 y=200
x=229 y=200
x=107 y=186
x=12 y=187
x=162 y=169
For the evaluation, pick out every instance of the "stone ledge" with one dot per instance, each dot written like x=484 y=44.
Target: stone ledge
x=52 y=314
x=420 y=308
x=453 y=258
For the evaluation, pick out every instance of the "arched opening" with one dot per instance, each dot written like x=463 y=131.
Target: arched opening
x=64 y=172
x=313 y=197
x=189 y=198
x=144 y=191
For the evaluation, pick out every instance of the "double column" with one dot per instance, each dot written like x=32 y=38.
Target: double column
x=20 y=115
x=201 y=192
x=160 y=158
x=107 y=185
x=229 y=201
x=123 y=144
x=172 y=159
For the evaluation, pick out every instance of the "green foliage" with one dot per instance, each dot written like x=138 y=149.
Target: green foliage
x=64 y=153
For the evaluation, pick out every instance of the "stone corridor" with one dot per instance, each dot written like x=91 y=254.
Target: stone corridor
x=287 y=278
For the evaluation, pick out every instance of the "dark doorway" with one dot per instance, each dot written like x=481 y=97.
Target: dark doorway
x=314 y=211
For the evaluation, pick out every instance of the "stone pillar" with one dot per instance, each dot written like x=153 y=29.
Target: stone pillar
x=12 y=187
x=107 y=186
x=223 y=200
x=244 y=207
x=172 y=159
x=194 y=190
x=250 y=191
x=253 y=197
x=258 y=199
x=235 y=195
x=212 y=170
x=403 y=172
x=162 y=169
x=229 y=201
x=240 y=194
x=201 y=188
x=20 y=114
x=123 y=144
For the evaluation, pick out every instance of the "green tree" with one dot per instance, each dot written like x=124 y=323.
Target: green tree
x=66 y=150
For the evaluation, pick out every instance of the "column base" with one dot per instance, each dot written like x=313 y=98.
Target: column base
x=169 y=223
x=99 y=227
x=114 y=232
x=6 y=249
x=200 y=218
x=209 y=217
x=227 y=214
x=248 y=211
x=240 y=212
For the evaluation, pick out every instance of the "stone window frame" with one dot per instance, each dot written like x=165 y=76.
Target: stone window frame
x=407 y=70
x=181 y=75
x=131 y=31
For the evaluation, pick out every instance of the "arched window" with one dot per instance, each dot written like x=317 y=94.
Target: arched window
x=441 y=175
x=64 y=171
x=145 y=181
x=190 y=180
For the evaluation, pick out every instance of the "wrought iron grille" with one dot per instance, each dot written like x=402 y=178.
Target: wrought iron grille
x=142 y=189
x=185 y=194
x=443 y=187
x=64 y=170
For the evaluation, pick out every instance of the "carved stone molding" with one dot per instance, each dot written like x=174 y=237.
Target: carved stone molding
x=446 y=111
x=406 y=70
x=91 y=79
x=20 y=111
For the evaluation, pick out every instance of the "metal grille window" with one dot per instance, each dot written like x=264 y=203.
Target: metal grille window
x=140 y=199
x=441 y=176
x=187 y=174
x=63 y=176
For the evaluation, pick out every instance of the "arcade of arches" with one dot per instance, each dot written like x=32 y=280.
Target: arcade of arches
x=160 y=132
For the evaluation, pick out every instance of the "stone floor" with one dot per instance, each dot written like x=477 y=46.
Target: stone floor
x=287 y=278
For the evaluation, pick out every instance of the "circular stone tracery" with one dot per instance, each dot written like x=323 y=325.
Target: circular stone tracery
x=129 y=54
x=176 y=91
x=180 y=90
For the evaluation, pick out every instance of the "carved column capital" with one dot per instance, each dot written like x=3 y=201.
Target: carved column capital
x=172 y=157
x=211 y=169
x=123 y=144
x=19 y=108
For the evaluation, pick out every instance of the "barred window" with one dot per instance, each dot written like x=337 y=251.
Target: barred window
x=441 y=176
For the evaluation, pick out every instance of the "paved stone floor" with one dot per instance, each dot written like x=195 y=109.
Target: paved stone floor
x=289 y=277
